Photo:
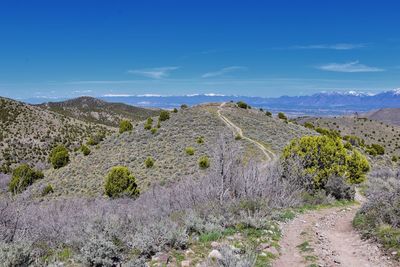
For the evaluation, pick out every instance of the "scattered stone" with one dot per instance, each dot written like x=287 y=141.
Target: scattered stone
x=185 y=263
x=336 y=261
x=263 y=246
x=189 y=252
x=394 y=253
x=215 y=254
x=215 y=244
x=272 y=250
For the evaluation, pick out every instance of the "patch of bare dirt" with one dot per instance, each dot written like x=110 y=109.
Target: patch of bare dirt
x=327 y=238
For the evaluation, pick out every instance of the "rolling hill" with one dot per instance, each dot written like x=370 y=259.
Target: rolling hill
x=372 y=131
x=94 y=110
x=84 y=176
x=387 y=115
x=27 y=133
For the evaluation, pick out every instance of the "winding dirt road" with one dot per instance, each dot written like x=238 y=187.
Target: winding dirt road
x=238 y=131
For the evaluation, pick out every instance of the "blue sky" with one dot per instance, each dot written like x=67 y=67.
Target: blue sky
x=260 y=48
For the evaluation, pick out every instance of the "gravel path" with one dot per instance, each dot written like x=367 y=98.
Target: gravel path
x=327 y=238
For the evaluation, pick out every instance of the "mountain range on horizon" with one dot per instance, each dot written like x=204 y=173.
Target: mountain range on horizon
x=323 y=103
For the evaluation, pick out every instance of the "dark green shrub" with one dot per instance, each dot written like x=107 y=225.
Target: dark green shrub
x=375 y=149
x=282 y=116
x=184 y=106
x=164 y=115
x=268 y=113
x=149 y=124
x=48 y=189
x=309 y=125
x=327 y=132
x=204 y=162
x=242 y=104
x=190 y=151
x=395 y=158
x=175 y=110
x=120 y=182
x=149 y=121
x=22 y=177
x=200 y=140
x=149 y=162
x=238 y=137
x=153 y=130
x=59 y=157
x=125 y=126
x=85 y=150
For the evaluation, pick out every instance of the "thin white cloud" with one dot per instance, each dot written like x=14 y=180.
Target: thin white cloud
x=154 y=73
x=340 y=46
x=223 y=71
x=353 y=66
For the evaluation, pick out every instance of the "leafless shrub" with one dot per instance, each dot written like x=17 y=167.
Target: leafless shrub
x=383 y=196
x=101 y=231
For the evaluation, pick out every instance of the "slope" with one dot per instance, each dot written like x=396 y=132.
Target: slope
x=27 y=133
x=84 y=176
x=372 y=131
x=94 y=110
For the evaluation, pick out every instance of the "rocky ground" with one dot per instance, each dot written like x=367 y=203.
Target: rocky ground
x=327 y=238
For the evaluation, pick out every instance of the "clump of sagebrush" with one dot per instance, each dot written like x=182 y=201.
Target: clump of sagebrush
x=379 y=216
x=96 y=139
x=204 y=162
x=149 y=162
x=322 y=158
x=164 y=115
x=120 y=182
x=85 y=150
x=125 y=126
x=190 y=151
x=22 y=177
x=153 y=130
x=59 y=157
x=48 y=189
x=238 y=137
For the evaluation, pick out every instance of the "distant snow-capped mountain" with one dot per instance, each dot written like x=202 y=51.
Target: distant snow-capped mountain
x=322 y=103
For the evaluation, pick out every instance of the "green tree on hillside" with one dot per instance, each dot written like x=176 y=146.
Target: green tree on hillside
x=22 y=177
x=282 y=116
x=164 y=115
x=242 y=104
x=59 y=157
x=323 y=157
x=120 y=182
x=125 y=126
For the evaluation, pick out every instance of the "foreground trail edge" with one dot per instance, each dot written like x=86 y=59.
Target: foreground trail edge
x=326 y=238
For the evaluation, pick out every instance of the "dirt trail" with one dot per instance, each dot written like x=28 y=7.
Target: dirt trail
x=237 y=130
x=327 y=238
